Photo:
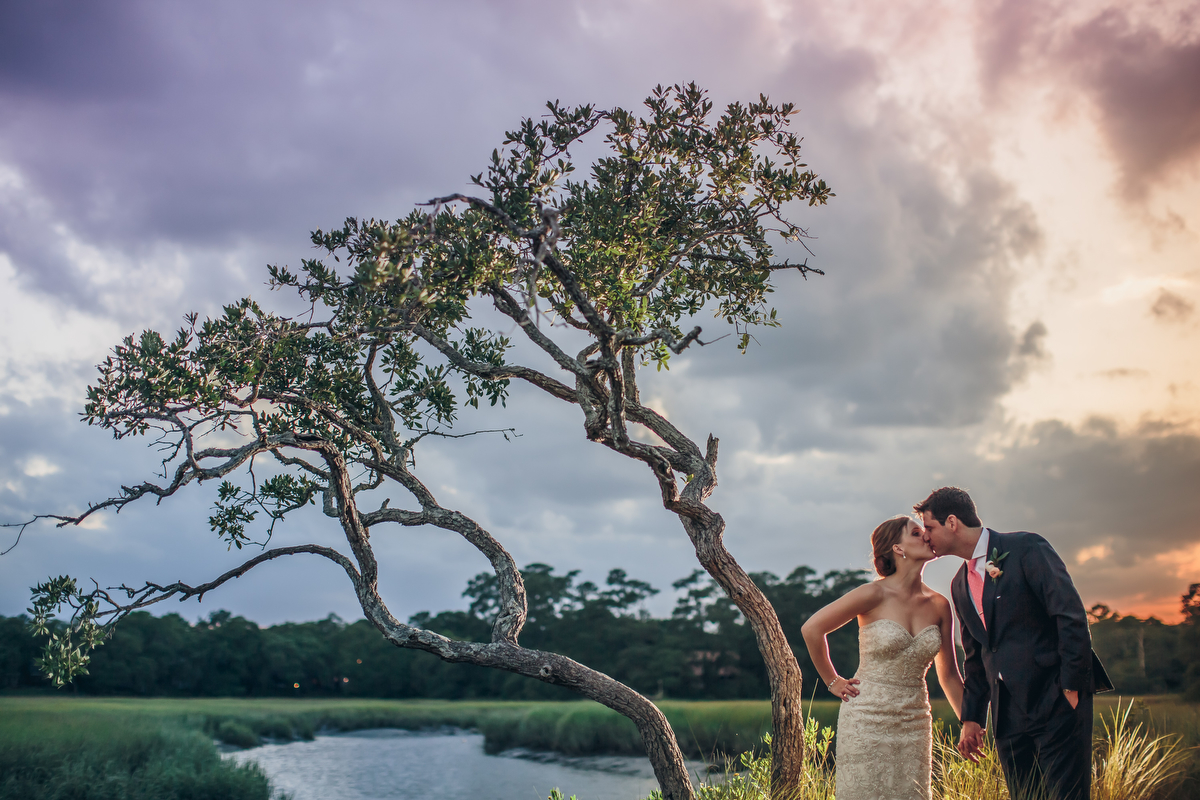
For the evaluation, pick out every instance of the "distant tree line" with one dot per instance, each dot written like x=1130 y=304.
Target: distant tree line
x=704 y=650
x=1148 y=656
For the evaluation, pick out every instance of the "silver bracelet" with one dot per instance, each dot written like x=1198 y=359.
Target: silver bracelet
x=835 y=680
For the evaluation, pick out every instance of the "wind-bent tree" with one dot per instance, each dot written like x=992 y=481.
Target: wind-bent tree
x=675 y=219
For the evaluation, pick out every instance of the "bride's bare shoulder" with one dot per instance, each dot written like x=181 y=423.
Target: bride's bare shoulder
x=872 y=592
x=939 y=601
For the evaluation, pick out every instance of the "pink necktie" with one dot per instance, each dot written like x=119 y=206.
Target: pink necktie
x=975 y=584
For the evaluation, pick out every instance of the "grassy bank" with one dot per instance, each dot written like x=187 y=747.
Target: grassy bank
x=704 y=729
x=55 y=746
x=574 y=728
x=85 y=756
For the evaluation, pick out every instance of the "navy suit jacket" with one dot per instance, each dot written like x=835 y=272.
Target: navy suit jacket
x=1036 y=636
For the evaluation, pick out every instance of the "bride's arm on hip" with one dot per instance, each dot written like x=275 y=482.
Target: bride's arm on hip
x=946 y=661
x=860 y=600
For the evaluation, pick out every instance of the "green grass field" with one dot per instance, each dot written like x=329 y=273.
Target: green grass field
x=108 y=748
x=576 y=728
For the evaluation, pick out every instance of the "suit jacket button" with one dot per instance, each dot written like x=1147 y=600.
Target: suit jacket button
x=993 y=649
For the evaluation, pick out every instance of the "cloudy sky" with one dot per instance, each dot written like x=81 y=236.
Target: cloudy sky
x=1010 y=305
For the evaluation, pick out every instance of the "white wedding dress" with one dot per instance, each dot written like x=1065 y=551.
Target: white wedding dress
x=885 y=734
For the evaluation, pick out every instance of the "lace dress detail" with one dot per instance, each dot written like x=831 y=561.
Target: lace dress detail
x=885 y=736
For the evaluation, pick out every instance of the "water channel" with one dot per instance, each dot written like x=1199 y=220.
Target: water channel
x=450 y=765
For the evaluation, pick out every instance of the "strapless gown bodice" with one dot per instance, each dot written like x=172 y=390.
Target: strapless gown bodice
x=885 y=734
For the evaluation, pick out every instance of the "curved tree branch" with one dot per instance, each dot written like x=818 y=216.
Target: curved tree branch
x=151 y=593
x=492 y=371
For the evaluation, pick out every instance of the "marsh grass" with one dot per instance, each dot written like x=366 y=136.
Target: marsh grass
x=704 y=730
x=101 y=748
x=708 y=729
x=1167 y=716
x=1131 y=762
x=88 y=758
x=955 y=778
x=716 y=730
x=234 y=733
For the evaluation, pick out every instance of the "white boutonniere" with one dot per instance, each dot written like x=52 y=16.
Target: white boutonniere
x=993 y=564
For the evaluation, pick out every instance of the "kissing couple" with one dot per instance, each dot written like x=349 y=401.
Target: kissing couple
x=1028 y=657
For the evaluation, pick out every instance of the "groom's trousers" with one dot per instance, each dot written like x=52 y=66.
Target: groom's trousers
x=1053 y=755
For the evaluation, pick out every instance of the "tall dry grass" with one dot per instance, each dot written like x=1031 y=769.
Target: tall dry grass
x=1131 y=762
x=956 y=778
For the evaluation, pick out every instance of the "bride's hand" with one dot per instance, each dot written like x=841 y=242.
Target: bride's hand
x=970 y=741
x=845 y=688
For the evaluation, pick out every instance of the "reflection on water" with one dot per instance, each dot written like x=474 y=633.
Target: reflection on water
x=365 y=765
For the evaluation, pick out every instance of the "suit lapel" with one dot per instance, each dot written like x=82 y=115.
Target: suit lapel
x=966 y=608
x=991 y=587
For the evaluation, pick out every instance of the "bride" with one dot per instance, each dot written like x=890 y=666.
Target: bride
x=884 y=732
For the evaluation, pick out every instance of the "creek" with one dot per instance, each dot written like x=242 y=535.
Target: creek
x=446 y=765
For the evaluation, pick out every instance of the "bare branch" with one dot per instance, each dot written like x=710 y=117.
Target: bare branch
x=507 y=304
x=804 y=269
x=493 y=372
x=21 y=526
x=301 y=463
x=665 y=335
x=485 y=206
x=383 y=416
x=151 y=593
x=185 y=474
x=664 y=430
x=410 y=519
x=511 y=617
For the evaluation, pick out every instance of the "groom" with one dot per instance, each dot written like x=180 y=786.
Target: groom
x=1028 y=650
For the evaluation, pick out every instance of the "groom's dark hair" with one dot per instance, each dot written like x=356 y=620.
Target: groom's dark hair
x=948 y=500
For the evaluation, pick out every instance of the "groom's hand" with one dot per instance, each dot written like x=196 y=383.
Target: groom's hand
x=970 y=740
x=1072 y=697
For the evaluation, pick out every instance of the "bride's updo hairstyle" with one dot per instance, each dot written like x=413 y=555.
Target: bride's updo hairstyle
x=885 y=536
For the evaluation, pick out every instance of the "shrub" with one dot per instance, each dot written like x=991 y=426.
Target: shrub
x=235 y=733
x=753 y=782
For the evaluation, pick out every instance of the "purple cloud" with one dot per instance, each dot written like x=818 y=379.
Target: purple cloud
x=1140 y=79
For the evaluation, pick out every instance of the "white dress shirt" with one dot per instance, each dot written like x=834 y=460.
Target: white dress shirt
x=981 y=550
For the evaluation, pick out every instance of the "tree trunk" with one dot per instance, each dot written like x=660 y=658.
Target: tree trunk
x=503 y=652
x=706 y=529
x=783 y=671
x=1141 y=650
x=658 y=738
